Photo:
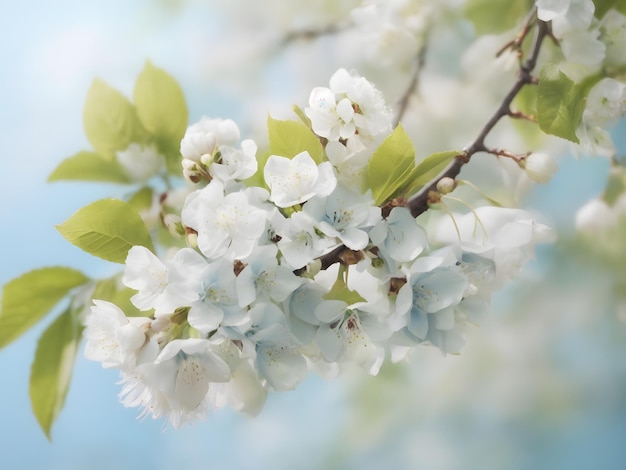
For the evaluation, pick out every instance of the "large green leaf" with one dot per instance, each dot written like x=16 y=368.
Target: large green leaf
x=427 y=170
x=561 y=102
x=110 y=120
x=289 y=138
x=162 y=110
x=27 y=299
x=389 y=167
x=496 y=16
x=51 y=372
x=107 y=228
x=89 y=166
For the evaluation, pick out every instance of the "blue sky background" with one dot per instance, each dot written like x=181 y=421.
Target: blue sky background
x=49 y=54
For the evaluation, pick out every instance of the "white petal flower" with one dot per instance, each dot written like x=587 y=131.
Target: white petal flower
x=399 y=235
x=235 y=164
x=217 y=302
x=278 y=359
x=203 y=137
x=227 y=225
x=264 y=279
x=162 y=286
x=147 y=274
x=111 y=338
x=300 y=243
x=351 y=105
x=322 y=113
x=345 y=215
x=296 y=180
x=177 y=383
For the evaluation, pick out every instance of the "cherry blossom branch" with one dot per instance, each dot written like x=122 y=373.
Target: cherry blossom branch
x=429 y=194
x=418 y=204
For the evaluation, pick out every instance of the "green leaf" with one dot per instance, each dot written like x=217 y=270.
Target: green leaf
x=289 y=138
x=496 y=16
x=428 y=169
x=110 y=120
x=162 y=110
x=27 y=299
x=142 y=199
x=561 y=102
x=390 y=165
x=51 y=372
x=107 y=228
x=112 y=290
x=89 y=166
x=257 y=179
x=340 y=290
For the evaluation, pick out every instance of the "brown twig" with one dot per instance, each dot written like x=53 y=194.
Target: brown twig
x=418 y=204
x=516 y=43
x=403 y=103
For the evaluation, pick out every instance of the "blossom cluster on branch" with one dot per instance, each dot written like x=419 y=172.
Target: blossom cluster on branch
x=247 y=266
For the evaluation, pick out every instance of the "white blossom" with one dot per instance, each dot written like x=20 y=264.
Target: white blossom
x=227 y=225
x=296 y=180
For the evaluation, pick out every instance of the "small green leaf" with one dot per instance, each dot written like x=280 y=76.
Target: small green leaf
x=107 y=228
x=27 y=299
x=427 y=170
x=496 y=16
x=289 y=138
x=51 y=372
x=257 y=179
x=390 y=165
x=112 y=290
x=89 y=166
x=142 y=199
x=110 y=120
x=340 y=290
x=162 y=110
x=561 y=102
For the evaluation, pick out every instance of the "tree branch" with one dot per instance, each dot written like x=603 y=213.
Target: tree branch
x=419 y=203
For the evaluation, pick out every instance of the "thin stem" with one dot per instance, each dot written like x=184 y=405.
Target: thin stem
x=403 y=103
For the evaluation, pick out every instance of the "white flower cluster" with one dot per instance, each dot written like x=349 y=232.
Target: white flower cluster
x=246 y=309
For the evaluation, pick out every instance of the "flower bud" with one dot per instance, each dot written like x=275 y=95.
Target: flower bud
x=446 y=185
x=191 y=171
x=174 y=225
x=540 y=167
